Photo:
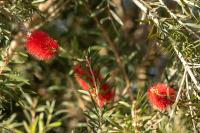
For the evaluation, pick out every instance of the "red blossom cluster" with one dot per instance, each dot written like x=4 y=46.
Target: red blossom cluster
x=41 y=46
x=85 y=80
x=161 y=96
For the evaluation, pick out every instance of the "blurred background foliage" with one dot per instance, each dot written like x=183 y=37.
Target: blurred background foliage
x=137 y=42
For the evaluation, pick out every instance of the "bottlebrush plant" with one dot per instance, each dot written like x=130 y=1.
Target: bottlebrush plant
x=41 y=46
x=101 y=66
x=91 y=81
x=161 y=96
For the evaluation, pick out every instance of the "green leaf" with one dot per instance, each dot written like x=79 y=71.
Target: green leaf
x=16 y=78
x=125 y=104
x=114 y=123
x=33 y=125
x=41 y=123
x=38 y=1
x=193 y=25
x=55 y=124
x=83 y=92
x=116 y=18
x=26 y=127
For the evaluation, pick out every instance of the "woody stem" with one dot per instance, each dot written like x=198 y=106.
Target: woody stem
x=96 y=92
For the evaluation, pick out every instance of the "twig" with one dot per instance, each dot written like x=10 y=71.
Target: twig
x=52 y=15
x=191 y=108
x=106 y=36
x=93 y=78
x=8 y=54
x=158 y=121
x=14 y=43
x=190 y=3
x=185 y=65
x=96 y=93
x=151 y=124
x=178 y=20
x=5 y=62
x=134 y=116
x=146 y=10
x=155 y=19
x=178 y=95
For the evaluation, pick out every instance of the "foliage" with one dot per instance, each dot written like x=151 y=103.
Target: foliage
x=132 y=44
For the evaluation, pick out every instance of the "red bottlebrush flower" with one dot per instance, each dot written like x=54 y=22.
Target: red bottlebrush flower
x=80 y=74
x=84 y=79
x=41 y=46
x=161 y=96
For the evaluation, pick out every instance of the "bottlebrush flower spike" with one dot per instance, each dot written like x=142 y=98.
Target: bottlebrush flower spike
x=161 y=96
x=84 y=79
x=41 y=46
